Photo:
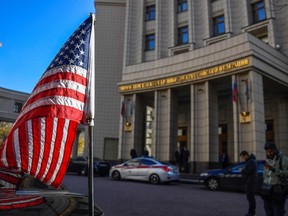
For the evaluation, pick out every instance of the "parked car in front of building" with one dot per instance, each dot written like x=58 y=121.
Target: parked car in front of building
x=145 y=169
x=230 y=178
x=80 y=165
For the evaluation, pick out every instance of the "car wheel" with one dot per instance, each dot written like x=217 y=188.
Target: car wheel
x=115 y=175
x=212 y=184
x=83 y=171
x=154 y=179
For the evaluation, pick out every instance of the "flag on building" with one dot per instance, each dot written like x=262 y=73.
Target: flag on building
x=41 y=139
x=235 y=91
x=123 y=112
x=247 y=90
x=130 y=108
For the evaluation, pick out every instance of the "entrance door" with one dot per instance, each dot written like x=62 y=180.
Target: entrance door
x=184 y=152
x=223 y=146
x=269 y=130
x=223 y=138
x=182 y=137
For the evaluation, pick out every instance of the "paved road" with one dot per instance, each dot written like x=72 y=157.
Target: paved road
x=128 y=198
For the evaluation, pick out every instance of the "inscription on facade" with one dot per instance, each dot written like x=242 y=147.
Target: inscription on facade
x=185 y=78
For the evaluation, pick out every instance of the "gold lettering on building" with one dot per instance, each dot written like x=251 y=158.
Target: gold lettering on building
x=225 y=68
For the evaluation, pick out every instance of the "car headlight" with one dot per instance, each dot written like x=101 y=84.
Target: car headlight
x=203 y=174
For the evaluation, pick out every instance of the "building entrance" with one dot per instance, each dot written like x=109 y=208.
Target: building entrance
x=223 y=146
x=184 y=152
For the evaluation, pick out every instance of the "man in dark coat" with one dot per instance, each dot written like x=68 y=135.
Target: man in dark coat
x=249 y=173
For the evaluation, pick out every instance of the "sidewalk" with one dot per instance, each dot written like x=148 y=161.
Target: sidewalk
x=189 y=178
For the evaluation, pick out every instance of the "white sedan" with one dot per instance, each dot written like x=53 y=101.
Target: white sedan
x=145 y=169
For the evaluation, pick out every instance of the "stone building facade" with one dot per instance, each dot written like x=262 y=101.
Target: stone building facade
x=210 y=76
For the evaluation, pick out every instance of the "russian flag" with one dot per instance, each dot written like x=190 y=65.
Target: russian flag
x=235 y=91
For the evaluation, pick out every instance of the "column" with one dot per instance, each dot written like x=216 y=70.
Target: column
x=204 y=127
x=165 y=125
x=249 y=130
x=127 y=126
x=257 y=114
x=200 y=126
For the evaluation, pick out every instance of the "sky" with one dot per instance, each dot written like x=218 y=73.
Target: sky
x=32 y=32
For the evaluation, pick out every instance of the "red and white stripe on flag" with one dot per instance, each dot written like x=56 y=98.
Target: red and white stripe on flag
x=41 y=147
x=41 y=139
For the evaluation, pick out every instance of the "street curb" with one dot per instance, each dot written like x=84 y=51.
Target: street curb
x=189 y=181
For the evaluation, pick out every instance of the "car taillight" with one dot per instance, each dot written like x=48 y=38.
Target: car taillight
x=167 y=169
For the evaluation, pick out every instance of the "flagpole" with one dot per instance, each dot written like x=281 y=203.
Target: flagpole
x=90 y=119
x=91 y=172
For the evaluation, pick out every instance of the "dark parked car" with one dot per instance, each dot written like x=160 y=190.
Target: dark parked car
x=35 y=198
x=80 y=166
x=230 y=178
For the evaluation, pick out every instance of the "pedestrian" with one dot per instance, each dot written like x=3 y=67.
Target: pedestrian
x=185 y=156
x=223 y=159
x=249 y=173
x=177 y=156
x=133 y=153
x=146 y=153
x=273 y=189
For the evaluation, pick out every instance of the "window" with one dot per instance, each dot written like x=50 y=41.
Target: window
x=182 y=6
x=218 y=25
x=147 y=162
x=259 y=13
x=17 y=107
x=133 y=162
x=150 y=13
x=150 y=42
x=183 y=35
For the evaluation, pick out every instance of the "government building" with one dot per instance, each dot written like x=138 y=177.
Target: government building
x=208 y=76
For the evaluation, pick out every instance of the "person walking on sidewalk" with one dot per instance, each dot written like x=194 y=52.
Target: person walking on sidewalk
x=249 y=173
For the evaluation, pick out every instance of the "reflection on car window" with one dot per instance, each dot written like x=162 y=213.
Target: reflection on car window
x=147 y=162
x=132 y=163
x=237 y=167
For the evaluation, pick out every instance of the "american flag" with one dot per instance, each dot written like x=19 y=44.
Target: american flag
x=41 y=139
